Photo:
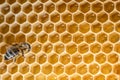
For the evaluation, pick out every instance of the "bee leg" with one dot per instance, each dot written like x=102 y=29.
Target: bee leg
x=22 y=53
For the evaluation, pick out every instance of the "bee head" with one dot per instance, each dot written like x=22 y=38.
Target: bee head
x=26 y=46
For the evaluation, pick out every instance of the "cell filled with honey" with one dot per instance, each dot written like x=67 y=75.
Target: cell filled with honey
x=3 y=68
x=21 y=18
x=52 y=77
x=87 y=77
x=42 y=38
x=36 y=47
x=59 y=48
x=47 y=47
x=31 y=38
x=17 y=76
x=7 y=76
x=82 y=69
x=66 y=37
x=13 y=68
x=50 y=7
x=32 y=1
x=29 y=76
x=117 y=6
x=16 y=8
x=88 y=58
x=96 y=27
x=55 y=17
x=24 y=68
x=44 y=1
x=35 y=68
x=5 y=9
x=60 y=27
x=72 y=7
x=109 y=6
x=106 y=68
x=113 y=58
x=40 y=76
x=71 y=48
x=4 y=28
x=70 y=69
x=78 y=38
x=43 y=17
x=83 y=48
x=19 y=59
x=9 y=38
x=22 y=1
x=102 y=37
x=108 y=27
x=26 y=27
x=61 y=7
x=102 y=17
x=53 y=58
x=30 y=58
x=2 y=1
x=38 y=7
x=66 y=17
x=47 y=68
x=107 y=47
x=97 y=7
x=95 y=47
x=58 y=68
x=10 y=18
x=32 y=17
x=63 y=77
x=84 y=7
x=27 y=8
x=115 y=16
x=75 y=77
x=49 y=27
x=94 y=68
x=41 y=58
x=90 y=38
x=90 y=17
x=65 y=58
x=99 y=77
x=20 y=37
x=117 y=28
x=100 y=58
x=84 y=27
x=76 y=58
x=78 y=17
x=72 y=27
x=116 y=69
x=15 y=28
x=111 y=77
x=37 y=27
x=54 y=37
x=1 y=18
x=114 y=37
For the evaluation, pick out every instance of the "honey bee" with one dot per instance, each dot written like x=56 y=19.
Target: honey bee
x=15 y=49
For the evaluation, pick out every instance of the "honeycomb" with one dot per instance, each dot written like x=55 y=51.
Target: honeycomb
x=70 y=39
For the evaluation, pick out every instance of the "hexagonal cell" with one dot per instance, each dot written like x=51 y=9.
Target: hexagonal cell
x=15 y=28
x=72 y=7
x=52 y=77
x=108 y=27
x=50 y=7
x=31 y=38
x=95 y=47
x=117 y=6
x=43 y=17
x=88 y=77
x=40 y=77
x=55 y=17
x=60 y=27
x=102 y=17
x=99 y=77
x=117 y=47
x=3 y=68
x=58 y=69
x=10 y=18
x=61 y=7
x=5 y=8
x=2 y=1
x=49 y=27
x=66 y=17
x=94 y=68
x=115 y=16
x=84 y=27
x=117 y=28
x=116 y=69
x=90 y=17
x=82 y=69
x=78 y=17
x=83 y=48
x=70 y=69
x=20 y=37
x=102 y=37
x=35 y=68
x=38 y=7
x=30 y=58
x=84 y=7
x=21 y=18
x=24 y=68
x=29 y=76
x=107 y=47
x=96 y=27
x=97 y=7
x=17 y=76
x=72 y=27
x=42 y=38
x=16 y=8
x=71 y=48
x=37 y=27
x=32 y=1
x=21 y=1
x=26 y=27
x=6 y=77
x=27 y=7
x=54 y=37
x=114 y=37
x=53 y=58
x=66 y=37
x=65 y=58
x=9 y=38
x=4 y=28
x=32 y=17
x=76 y=58
x=75 y=77
x=113 y=58
x=46 y=68
x=88 y=58
x=100 y=58
x=41 y=58
x=106 y=68
x=78 y=38
x=90 y=38
x=111 y=77
x=1 y=18
x=13 y=68
x=47 y=47
x=36 y=47
x=59 y=48
x=109 y=6
x=63 y=77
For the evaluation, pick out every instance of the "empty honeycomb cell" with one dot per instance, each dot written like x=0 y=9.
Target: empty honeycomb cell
x=94 y=68
x=55 y=17
x=106 y=68
x=96 y=27
x=17 y=76
x=1 y=18
x=113 y=58
x=72 y=7
x=66 y=17
x=76 y=58
x=108 y=27
x=90 y=17
x=99 y=77
x=42 y=38
x=66 y=37
x=2 y=1
x=35 y=68
x=116 y=69
x=82 y=69
x=10 y=18
x=102 y=37
x=15 y=28
x=21 y=18
x=13 y=68
x=1 y=38
x=95 y=47
x=108 y=6
x=24 y=68
x=107 y=47
x=43 y=17
x=84 y=7
x=87 y=77
x=30 y=58
x=88 y=58
x=114 y=37
x=117 y=6
x=3 y=68
x=58 y=68
x=26 y=27
x=40 y=77
x=20 y=37
x=4 y=28
x=19 y=59
x=100 y=58
x=6 y=77
x=97 y=7
x=59 y=48
x=72 y=27
x=65 y=58
x=78 y=17
x=37 y=27
x=49 y=27
x=32 y=17
x=83 y=48
x=52 y=77
x=75 y=77
x=47 y=68
x=41 y=58
x=78 y=38
x=9 y=38
x=38 y=7
x=5 y=8
x=84 y=27
x=47 y=47
x=70 y=69
x=60 y=27
x=36 y=47
x=117 y=27
x=90 y=37
x=102 y=17
x=115 y=16
x=53 y=58
x=31 y=38
x=50 y=7
x=63 y=77
x=71 y=48
x=27 y=8
x=111 y=77
x=61 y=7
x=29 y=76
x=32 y=1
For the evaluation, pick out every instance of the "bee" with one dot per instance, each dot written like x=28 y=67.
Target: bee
x=15 y=49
